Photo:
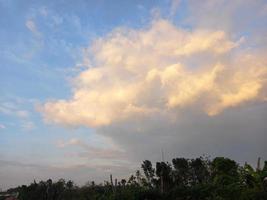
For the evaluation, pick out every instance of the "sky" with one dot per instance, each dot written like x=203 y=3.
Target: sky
x=90 y=88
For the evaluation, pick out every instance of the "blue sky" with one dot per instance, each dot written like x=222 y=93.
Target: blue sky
x=44 y=46
x=37 y=63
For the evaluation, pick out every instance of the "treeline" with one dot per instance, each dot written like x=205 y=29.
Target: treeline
x=183 y=179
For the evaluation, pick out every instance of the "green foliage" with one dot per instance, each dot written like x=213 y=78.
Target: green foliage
x=184 y=179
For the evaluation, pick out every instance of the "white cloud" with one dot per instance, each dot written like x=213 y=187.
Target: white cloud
x=30 y=24
x=161 y=70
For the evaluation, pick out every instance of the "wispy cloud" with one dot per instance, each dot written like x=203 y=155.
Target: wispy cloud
x=22 y=113
x=27 y=125
x=92 y=151
x=43 y=11
x=30 y=24
x=2 y=126
x=14 y=108
x=174 y=6
x=13 y=111
x=9 y=108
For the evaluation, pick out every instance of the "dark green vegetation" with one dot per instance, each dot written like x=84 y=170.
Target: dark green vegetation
x=184 y=179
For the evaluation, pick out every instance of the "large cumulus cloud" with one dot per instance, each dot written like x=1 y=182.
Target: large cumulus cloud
x=195 y=88
x=161 y=69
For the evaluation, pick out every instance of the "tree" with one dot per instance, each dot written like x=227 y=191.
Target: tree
x=181 y=171
x=191 y=179
x=164 y=174
x=199 y=170
x=149 y=172
x=226 y=178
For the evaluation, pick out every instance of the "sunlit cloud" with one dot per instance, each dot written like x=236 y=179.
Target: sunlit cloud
x=161 y=69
